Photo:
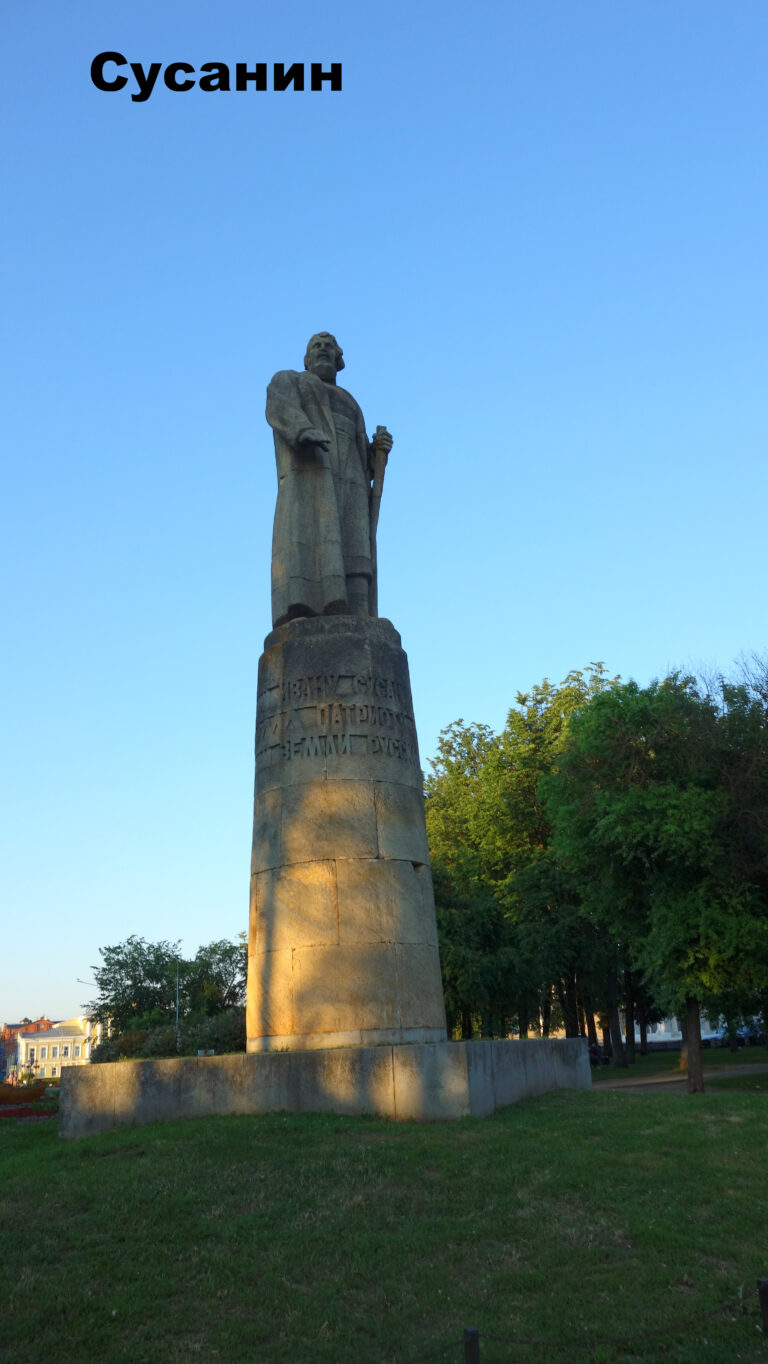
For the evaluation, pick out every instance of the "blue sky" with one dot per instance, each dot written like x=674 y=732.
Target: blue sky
x=538 y=231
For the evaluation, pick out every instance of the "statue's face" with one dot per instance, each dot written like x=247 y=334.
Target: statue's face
x=322 y=356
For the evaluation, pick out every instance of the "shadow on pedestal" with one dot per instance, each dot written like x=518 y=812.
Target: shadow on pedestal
x=426 y=1082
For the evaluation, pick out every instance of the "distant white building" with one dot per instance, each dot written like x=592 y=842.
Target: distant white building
x=64 y=1044
x=668 y=1033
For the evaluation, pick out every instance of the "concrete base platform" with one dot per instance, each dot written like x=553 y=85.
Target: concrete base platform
x=427 y=1081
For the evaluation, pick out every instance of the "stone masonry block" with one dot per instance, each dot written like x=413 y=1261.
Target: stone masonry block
x=267 y=823
x=434 y=1081
x=400 y=823
x=429 y=915
x=430 y=1082
x=294 y=906
x=381 y=901
x=327 y=820
x=337 y=989
x=270 y=1005
x=419 y=986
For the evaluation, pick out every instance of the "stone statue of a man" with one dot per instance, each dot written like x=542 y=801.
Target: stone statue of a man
x=328 y=485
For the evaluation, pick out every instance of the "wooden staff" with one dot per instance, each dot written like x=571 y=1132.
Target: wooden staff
x=379 y=466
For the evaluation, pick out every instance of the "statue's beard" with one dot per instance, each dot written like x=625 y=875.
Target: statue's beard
x=325 y=369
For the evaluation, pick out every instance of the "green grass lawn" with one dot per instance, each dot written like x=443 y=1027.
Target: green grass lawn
x=662 y=1062
x=576 y=1218
x=748 y=1083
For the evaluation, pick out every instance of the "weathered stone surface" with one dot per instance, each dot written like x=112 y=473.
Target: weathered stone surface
x=294 y=906
x=383 y=901
x=419 y=985
x=482 y=1062
x=338 y=989
x=424 y=878
x=400 y=822
x=430 y=1082
x=439 y=1081
x=532 y=1071
x=343 y=937
x=269 y=1008
x=267 y=827
x=352 y=1037
x=334 y=699
x=328 y=819
x=330 y=481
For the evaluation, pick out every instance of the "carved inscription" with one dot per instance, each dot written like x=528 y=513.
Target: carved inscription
x=329 y=686
x=335 y=715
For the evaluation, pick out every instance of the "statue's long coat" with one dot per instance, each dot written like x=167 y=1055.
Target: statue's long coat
x=322 y=523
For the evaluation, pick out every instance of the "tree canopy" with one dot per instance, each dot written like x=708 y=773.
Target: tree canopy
x=660 y=807
x=489 y=835
x=137 y=981
x=611 y=842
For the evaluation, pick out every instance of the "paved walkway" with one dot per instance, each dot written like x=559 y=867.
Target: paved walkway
x=675 y=1080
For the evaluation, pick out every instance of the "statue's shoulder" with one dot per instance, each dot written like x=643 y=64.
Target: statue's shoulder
x=300 y=378
x=284 y=376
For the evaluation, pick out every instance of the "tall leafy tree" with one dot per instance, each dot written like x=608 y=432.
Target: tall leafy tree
x=476 y=955
x=216 y=977
x=659 y=808
x=474 y=934
x=138 y=981
x=490 y=843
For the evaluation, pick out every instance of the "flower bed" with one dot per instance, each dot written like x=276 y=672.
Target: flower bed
x=27 y=1111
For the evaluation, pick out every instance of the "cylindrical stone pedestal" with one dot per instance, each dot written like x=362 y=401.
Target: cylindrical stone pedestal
x=343 y=941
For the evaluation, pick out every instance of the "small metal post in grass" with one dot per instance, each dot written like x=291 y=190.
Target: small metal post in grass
x=471 y=1345
x=762 y=1292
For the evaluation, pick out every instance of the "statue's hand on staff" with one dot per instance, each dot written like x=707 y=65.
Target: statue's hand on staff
x=382 y=440
x=312 y=440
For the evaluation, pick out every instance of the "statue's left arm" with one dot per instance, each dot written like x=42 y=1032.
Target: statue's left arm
x=287 y=413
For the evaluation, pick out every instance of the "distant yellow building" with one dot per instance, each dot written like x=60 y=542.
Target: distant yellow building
x=64 y=1044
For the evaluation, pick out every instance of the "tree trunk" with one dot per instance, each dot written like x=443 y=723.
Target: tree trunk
x=522 y=1022
x=629 y=990
x=606 y=1033
x=466 y=1026
x=683 y=1044
x=546 y=1014
x=589 y=1014
x=617 y=1046
x=567 y=996
x=695 y=1059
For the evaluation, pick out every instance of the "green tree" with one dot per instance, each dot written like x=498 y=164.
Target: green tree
x=136 y=980
x=659 y=809
x=476 y=956
x=489 y=839
x=216 y=977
